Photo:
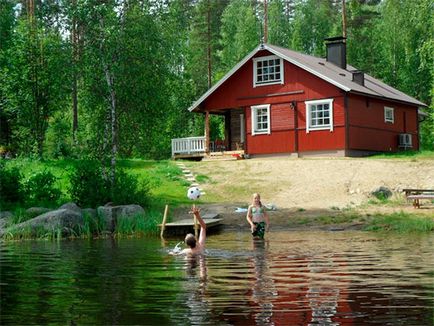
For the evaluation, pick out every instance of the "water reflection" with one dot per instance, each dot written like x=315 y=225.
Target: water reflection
x=322 y=297
x=196 y=289
x=263 y=290
x=296 y=278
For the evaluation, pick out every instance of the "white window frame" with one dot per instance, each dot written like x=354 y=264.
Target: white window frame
x=254 y=118
x=255 y=70
x=309 y=106
x=389 y=111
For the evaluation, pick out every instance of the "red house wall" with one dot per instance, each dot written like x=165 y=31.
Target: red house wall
x=318 y=140
x=238 y=91
x=281 y=138
x=367 y=129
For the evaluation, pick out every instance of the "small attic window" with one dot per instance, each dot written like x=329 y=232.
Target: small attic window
x=267 y=70
x=342 y=74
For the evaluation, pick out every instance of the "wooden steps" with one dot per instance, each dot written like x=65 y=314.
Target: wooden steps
x=224 y=156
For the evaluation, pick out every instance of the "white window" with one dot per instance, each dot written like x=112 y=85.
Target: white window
x=267 y=70
x=260 y=119
x=319 y=115
x=389 y=115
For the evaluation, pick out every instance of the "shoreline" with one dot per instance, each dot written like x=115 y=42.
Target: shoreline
x=388 y=217
x=355 y=218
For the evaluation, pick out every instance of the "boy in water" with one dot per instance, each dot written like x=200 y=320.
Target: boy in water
x=258 y=218
x=195 y=247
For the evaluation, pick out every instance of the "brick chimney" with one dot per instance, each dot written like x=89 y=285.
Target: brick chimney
x=337 y=51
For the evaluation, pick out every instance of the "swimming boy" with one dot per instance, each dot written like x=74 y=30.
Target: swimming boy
x=257 y=217
x=195 y=247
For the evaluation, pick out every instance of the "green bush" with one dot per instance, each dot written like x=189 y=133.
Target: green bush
x=88 y=186
x=11 y=188
x=91 y=188
x=41 y=189
x=129 y=190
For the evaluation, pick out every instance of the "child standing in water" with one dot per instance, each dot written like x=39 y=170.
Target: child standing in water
x=257 y=218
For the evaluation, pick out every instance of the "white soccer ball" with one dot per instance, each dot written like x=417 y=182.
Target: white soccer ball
x=193 y=193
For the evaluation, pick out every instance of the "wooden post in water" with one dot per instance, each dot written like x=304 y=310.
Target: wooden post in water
x=163 y=224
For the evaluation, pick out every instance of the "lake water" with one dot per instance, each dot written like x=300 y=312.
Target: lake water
x=294 y=278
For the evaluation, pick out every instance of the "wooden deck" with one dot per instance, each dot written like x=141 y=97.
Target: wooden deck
x=225 y=155
x=193 y=148
x=187 y=226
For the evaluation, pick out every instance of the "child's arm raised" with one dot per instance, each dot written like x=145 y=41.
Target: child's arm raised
x=202 y=235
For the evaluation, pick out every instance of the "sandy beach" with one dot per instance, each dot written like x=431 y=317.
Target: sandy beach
x=307 y=188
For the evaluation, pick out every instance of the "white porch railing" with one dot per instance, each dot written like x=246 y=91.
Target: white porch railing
x=188 y=145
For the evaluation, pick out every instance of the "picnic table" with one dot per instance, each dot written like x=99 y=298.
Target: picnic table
x=417 y=194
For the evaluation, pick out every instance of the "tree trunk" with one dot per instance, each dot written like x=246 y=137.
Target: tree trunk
x=35 y=59
x=74 y=41
x=344 y=20
x=209 y=38
x=265 y=21
x=110 y=83
x=111 y=112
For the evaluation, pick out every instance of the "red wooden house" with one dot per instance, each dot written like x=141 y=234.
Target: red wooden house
x=278 y=101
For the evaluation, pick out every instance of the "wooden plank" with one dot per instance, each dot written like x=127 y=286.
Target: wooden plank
x=421 y=196
x=190 y=222
x=271 y=95
x=417 y=191
x=194 y=155
x=211 y=216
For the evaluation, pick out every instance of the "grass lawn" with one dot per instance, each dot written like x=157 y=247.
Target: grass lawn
x=168 y=186
x=424 y=154
x=166 y=182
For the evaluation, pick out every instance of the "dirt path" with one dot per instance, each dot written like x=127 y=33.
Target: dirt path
x=310 y=187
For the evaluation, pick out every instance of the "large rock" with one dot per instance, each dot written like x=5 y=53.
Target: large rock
x=4 y=222
x=36 y=211
x=382 y=193
x=5 y=214
x=64 y=219
x=5 y=218
x=71 y=206
x=110 y=215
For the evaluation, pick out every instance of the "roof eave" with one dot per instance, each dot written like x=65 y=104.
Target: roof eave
x=421 y=112
x=415 y=103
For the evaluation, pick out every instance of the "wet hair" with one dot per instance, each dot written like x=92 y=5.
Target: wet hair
x=190 y=240
x=259 y=196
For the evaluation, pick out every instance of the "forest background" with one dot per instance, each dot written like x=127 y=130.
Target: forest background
x=113 y=79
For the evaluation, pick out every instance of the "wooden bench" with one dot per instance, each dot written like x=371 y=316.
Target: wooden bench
x=417 y=194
